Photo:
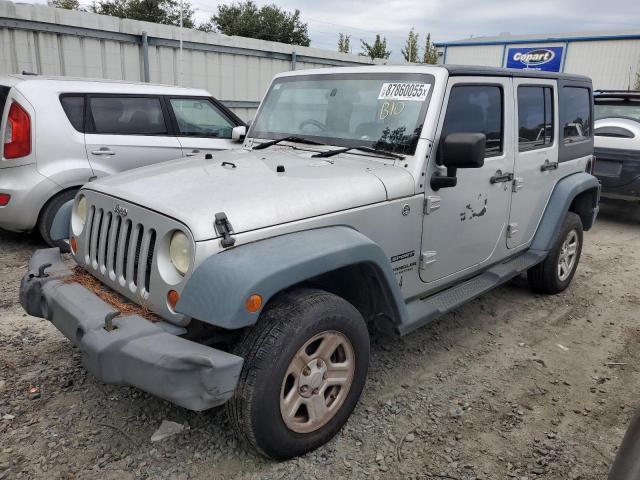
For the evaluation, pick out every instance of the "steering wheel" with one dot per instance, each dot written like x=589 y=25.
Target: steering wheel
x=313 y=122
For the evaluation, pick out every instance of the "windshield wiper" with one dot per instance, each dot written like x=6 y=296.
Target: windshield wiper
x=291 y=138
x=331 y=153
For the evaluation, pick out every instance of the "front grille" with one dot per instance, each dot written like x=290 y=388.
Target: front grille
x=121 y=249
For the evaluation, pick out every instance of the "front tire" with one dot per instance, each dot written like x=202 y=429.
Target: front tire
x=47 y=215
x=305 y=366
x=555 y=273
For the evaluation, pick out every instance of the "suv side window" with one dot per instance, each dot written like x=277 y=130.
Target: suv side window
x=535 y=117
x=199 y=117
x=577 y=114
x=73 y=106
x=476 y=109
x=127 y=115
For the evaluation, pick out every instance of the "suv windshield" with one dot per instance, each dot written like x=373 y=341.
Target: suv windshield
x=618 y=108
x=381 y=111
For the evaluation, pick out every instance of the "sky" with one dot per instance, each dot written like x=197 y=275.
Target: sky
x=445 y=19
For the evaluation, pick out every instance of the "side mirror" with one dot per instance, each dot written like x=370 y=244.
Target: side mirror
x=459 y=150
x=238 y=133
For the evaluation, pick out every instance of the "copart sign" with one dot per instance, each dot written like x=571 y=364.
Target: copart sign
x=548 y=59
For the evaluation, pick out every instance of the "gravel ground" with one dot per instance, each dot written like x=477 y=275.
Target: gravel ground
x=512 y=385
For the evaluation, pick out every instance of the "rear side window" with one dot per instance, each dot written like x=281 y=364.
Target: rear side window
x=535 y=117
x=476 y=109
x=577 y=114
x=127 y=115
x=199 y=117
x=4 y=93
x=73 y=106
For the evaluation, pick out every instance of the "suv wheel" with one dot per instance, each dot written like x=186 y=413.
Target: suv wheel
x=555 y=273
x=305 y=365
x=47 y=215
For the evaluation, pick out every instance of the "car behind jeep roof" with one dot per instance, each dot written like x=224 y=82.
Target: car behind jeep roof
x=617 y=143
x=60 y=132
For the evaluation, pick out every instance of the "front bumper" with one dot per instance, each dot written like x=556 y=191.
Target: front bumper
x=150 y=356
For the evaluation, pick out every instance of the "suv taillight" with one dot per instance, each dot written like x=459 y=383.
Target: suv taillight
x=17 y=133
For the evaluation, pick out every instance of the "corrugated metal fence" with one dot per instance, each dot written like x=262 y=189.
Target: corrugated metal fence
x=236 y=70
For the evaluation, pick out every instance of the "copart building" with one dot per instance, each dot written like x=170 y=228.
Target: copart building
x=611 y=59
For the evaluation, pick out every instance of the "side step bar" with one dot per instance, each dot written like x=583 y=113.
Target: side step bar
x=425 y=310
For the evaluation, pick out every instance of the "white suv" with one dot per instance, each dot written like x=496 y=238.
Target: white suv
x=59 y=133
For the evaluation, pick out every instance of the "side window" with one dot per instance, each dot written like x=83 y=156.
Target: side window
x=127 y=115
x=576 y=114
x=535 y=117
x=476 y=109
x=199 y=117
x=73 y=106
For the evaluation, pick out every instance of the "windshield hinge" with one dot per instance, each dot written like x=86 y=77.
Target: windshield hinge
x=224 y=228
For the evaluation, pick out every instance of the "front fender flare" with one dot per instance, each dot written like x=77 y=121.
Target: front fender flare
x=218 y=289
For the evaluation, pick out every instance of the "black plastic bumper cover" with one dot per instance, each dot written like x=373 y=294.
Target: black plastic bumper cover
x=140 y=353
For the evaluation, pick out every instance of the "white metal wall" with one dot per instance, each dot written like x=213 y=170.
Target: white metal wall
x=233 y=69
x=608 y=62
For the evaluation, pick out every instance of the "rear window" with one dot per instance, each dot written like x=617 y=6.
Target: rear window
x=127 y=115
x=73 y=106
x=4 y=93
x=617 y=108
x=577 y=114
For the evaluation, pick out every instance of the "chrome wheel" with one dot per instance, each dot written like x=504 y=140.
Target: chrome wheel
x=568 y=255
x=317 y=381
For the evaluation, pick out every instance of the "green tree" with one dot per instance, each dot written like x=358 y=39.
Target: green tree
x=269 y=22
x=377 y=50
x=166 y=12
x=410 y=50
x=430 y=52
x=66 y=4
x=344 y=43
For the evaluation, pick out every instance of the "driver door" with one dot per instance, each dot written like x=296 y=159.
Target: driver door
x=465 y=224
x=201 y=126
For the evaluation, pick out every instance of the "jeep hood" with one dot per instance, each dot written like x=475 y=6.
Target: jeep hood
x=250 y=190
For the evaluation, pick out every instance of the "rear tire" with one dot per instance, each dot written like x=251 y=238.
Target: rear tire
x=47 y=215
x=555 y=273
x=305 y=365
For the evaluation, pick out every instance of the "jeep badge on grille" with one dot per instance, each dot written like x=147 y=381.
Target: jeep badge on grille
x=122 y=211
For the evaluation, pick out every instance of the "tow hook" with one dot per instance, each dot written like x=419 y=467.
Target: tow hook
x=41 y=271
x=108 y=321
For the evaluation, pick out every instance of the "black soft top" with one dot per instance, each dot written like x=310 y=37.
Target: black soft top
x=473 y=70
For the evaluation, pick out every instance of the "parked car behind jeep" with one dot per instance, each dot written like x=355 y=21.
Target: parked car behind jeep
x=60 y=133
x=617 y=144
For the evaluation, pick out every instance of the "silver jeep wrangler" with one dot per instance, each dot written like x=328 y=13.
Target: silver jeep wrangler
x=371 y=196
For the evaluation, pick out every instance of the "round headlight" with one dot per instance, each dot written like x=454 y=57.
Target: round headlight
x=79 y=217
x=180 y=252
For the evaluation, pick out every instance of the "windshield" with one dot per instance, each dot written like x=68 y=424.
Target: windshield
x=617 y=108
x=381 y=111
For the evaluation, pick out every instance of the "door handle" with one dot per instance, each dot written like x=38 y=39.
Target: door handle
x=193 y=153
x=547 y=165
x=103 y=151
x=500 y=177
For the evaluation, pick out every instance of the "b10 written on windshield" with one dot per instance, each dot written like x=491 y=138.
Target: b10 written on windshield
x=404 y=91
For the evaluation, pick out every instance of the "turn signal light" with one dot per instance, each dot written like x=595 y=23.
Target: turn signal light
x=17 y=135
x=4 y=199
x=253 y=304
x=74 y=245
x=172 y=299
